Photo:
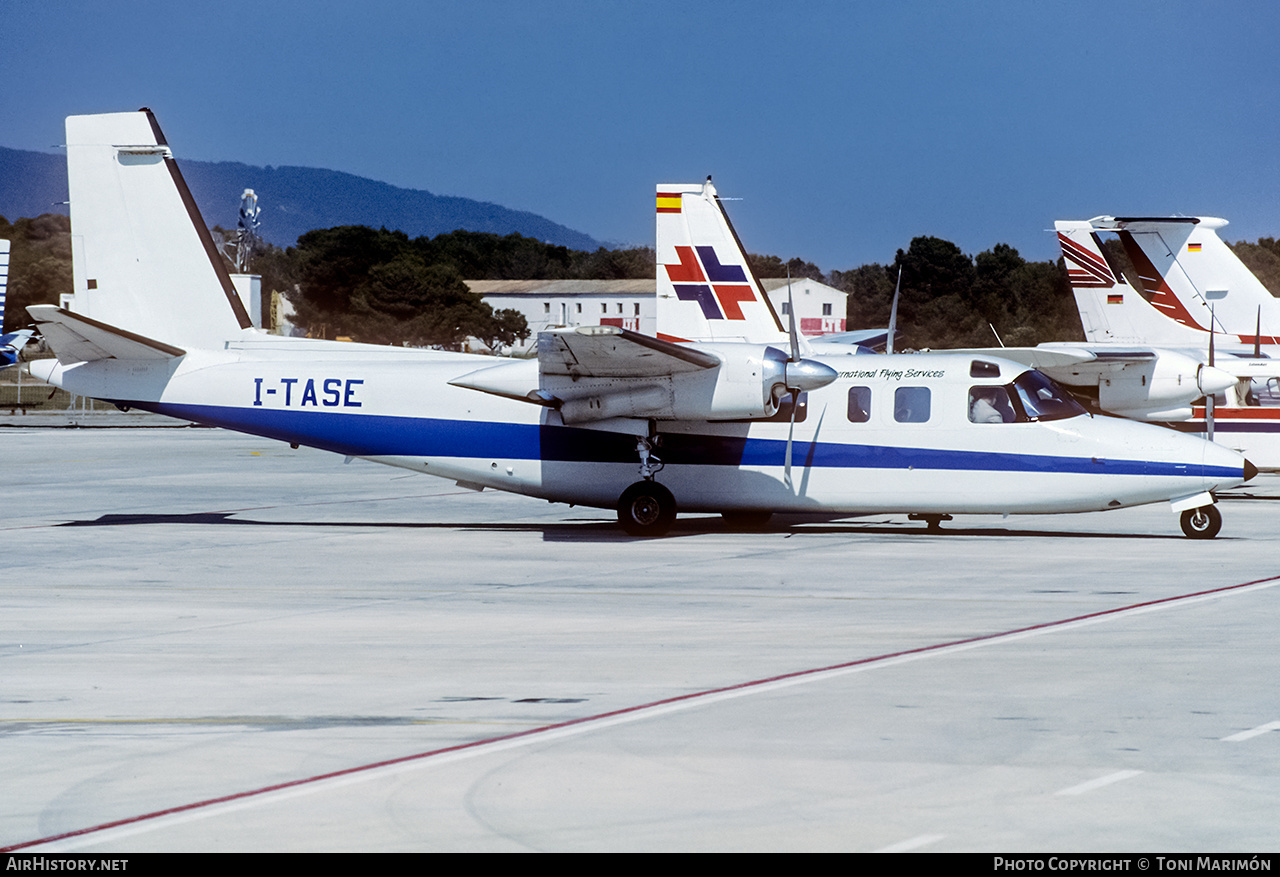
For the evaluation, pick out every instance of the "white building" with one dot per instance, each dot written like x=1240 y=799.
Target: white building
x=632 y=304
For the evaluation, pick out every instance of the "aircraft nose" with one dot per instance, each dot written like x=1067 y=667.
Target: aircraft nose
x=1250 y=470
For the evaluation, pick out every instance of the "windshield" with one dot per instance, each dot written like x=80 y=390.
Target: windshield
x=1042 y=399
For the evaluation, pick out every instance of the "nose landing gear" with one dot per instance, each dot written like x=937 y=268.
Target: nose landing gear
x=1201 y=523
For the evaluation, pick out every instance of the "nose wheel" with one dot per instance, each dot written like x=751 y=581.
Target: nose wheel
x=646 y=508
x=1202 y=523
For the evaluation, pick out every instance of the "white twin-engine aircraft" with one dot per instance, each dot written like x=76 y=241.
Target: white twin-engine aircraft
x=729 y=422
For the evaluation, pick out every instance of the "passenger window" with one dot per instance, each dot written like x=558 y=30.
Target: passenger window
x=980 y=369
x=859 y=404
x=990 y=405
x=911 y=404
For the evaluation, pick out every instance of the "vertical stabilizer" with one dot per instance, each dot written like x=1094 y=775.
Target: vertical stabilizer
x=706 y=289
x=1192 y=276
x=143 y=259
x=1112 y=311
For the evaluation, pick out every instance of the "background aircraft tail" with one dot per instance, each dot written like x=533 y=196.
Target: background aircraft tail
x=142 y=257
x=1192 y=276
x=706 y=288
x=1110 y=309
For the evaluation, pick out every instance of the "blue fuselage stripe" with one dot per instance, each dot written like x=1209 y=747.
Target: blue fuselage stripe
x=372 y=435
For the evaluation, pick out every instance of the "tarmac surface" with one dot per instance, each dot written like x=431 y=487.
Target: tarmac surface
x=213 y=642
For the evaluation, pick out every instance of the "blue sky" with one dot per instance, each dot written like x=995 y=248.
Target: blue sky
x=845 y=128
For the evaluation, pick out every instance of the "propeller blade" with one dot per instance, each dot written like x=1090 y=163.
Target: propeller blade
x=791 y=323
x=1211 y=334
x=1257 y=336
x=791 y=431
x=1208 y=400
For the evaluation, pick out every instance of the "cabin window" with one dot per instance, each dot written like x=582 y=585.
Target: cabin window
x=980 y=369
x=990 y=405
x=546 y=307
x=579 y=307
x=911 y=404
x=859 y=404
x=604 y=308
x=637 y=309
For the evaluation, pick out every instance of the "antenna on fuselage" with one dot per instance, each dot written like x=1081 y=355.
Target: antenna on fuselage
x=893 y=314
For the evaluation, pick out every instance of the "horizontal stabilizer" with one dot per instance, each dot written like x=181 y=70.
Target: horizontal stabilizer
x=75 y=339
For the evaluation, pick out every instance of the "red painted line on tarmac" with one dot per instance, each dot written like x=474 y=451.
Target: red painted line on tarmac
x=461 y=747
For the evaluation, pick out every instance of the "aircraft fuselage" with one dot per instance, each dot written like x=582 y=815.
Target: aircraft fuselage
x=858 y=447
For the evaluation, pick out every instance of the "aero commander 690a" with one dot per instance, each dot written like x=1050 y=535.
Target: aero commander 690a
x=722 y=421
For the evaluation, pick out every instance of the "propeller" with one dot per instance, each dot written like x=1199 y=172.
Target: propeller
x=798 y=374
x=1208 y=399
x=795 y=391
x=1257 y=336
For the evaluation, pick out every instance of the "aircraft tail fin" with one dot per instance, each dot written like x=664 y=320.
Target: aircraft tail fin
x=1110 y=309
x=1193 y=275
x=706 y=288
x=143 y=260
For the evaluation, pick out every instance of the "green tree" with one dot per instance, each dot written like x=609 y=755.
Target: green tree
x=39 y=264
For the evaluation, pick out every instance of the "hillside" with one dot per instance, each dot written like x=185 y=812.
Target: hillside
x=294 y=200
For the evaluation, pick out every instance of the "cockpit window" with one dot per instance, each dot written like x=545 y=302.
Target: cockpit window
x=991 y=405
x=1042 y=399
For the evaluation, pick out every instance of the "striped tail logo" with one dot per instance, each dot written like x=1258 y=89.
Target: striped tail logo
x=1085 y=269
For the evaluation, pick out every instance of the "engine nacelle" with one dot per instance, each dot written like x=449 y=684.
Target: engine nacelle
x=747 y=384
x=1160 y=389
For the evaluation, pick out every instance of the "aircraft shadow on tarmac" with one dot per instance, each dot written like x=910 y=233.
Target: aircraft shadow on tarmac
x=596 y=530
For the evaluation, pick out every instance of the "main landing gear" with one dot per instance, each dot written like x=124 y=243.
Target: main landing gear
x=1202 y=523
x=933 y=523
x=646 y=508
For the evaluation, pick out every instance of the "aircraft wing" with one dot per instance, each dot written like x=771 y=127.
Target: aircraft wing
x=1053 y=357
x=611 y=352
x=596 y=373
x=75 y=339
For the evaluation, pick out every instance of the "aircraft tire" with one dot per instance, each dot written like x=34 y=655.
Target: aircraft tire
x=1202 y=523
x=646 y=508
x=751 y=519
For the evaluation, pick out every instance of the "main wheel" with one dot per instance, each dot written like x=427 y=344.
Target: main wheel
x=1202 y=523
x=646 y=508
